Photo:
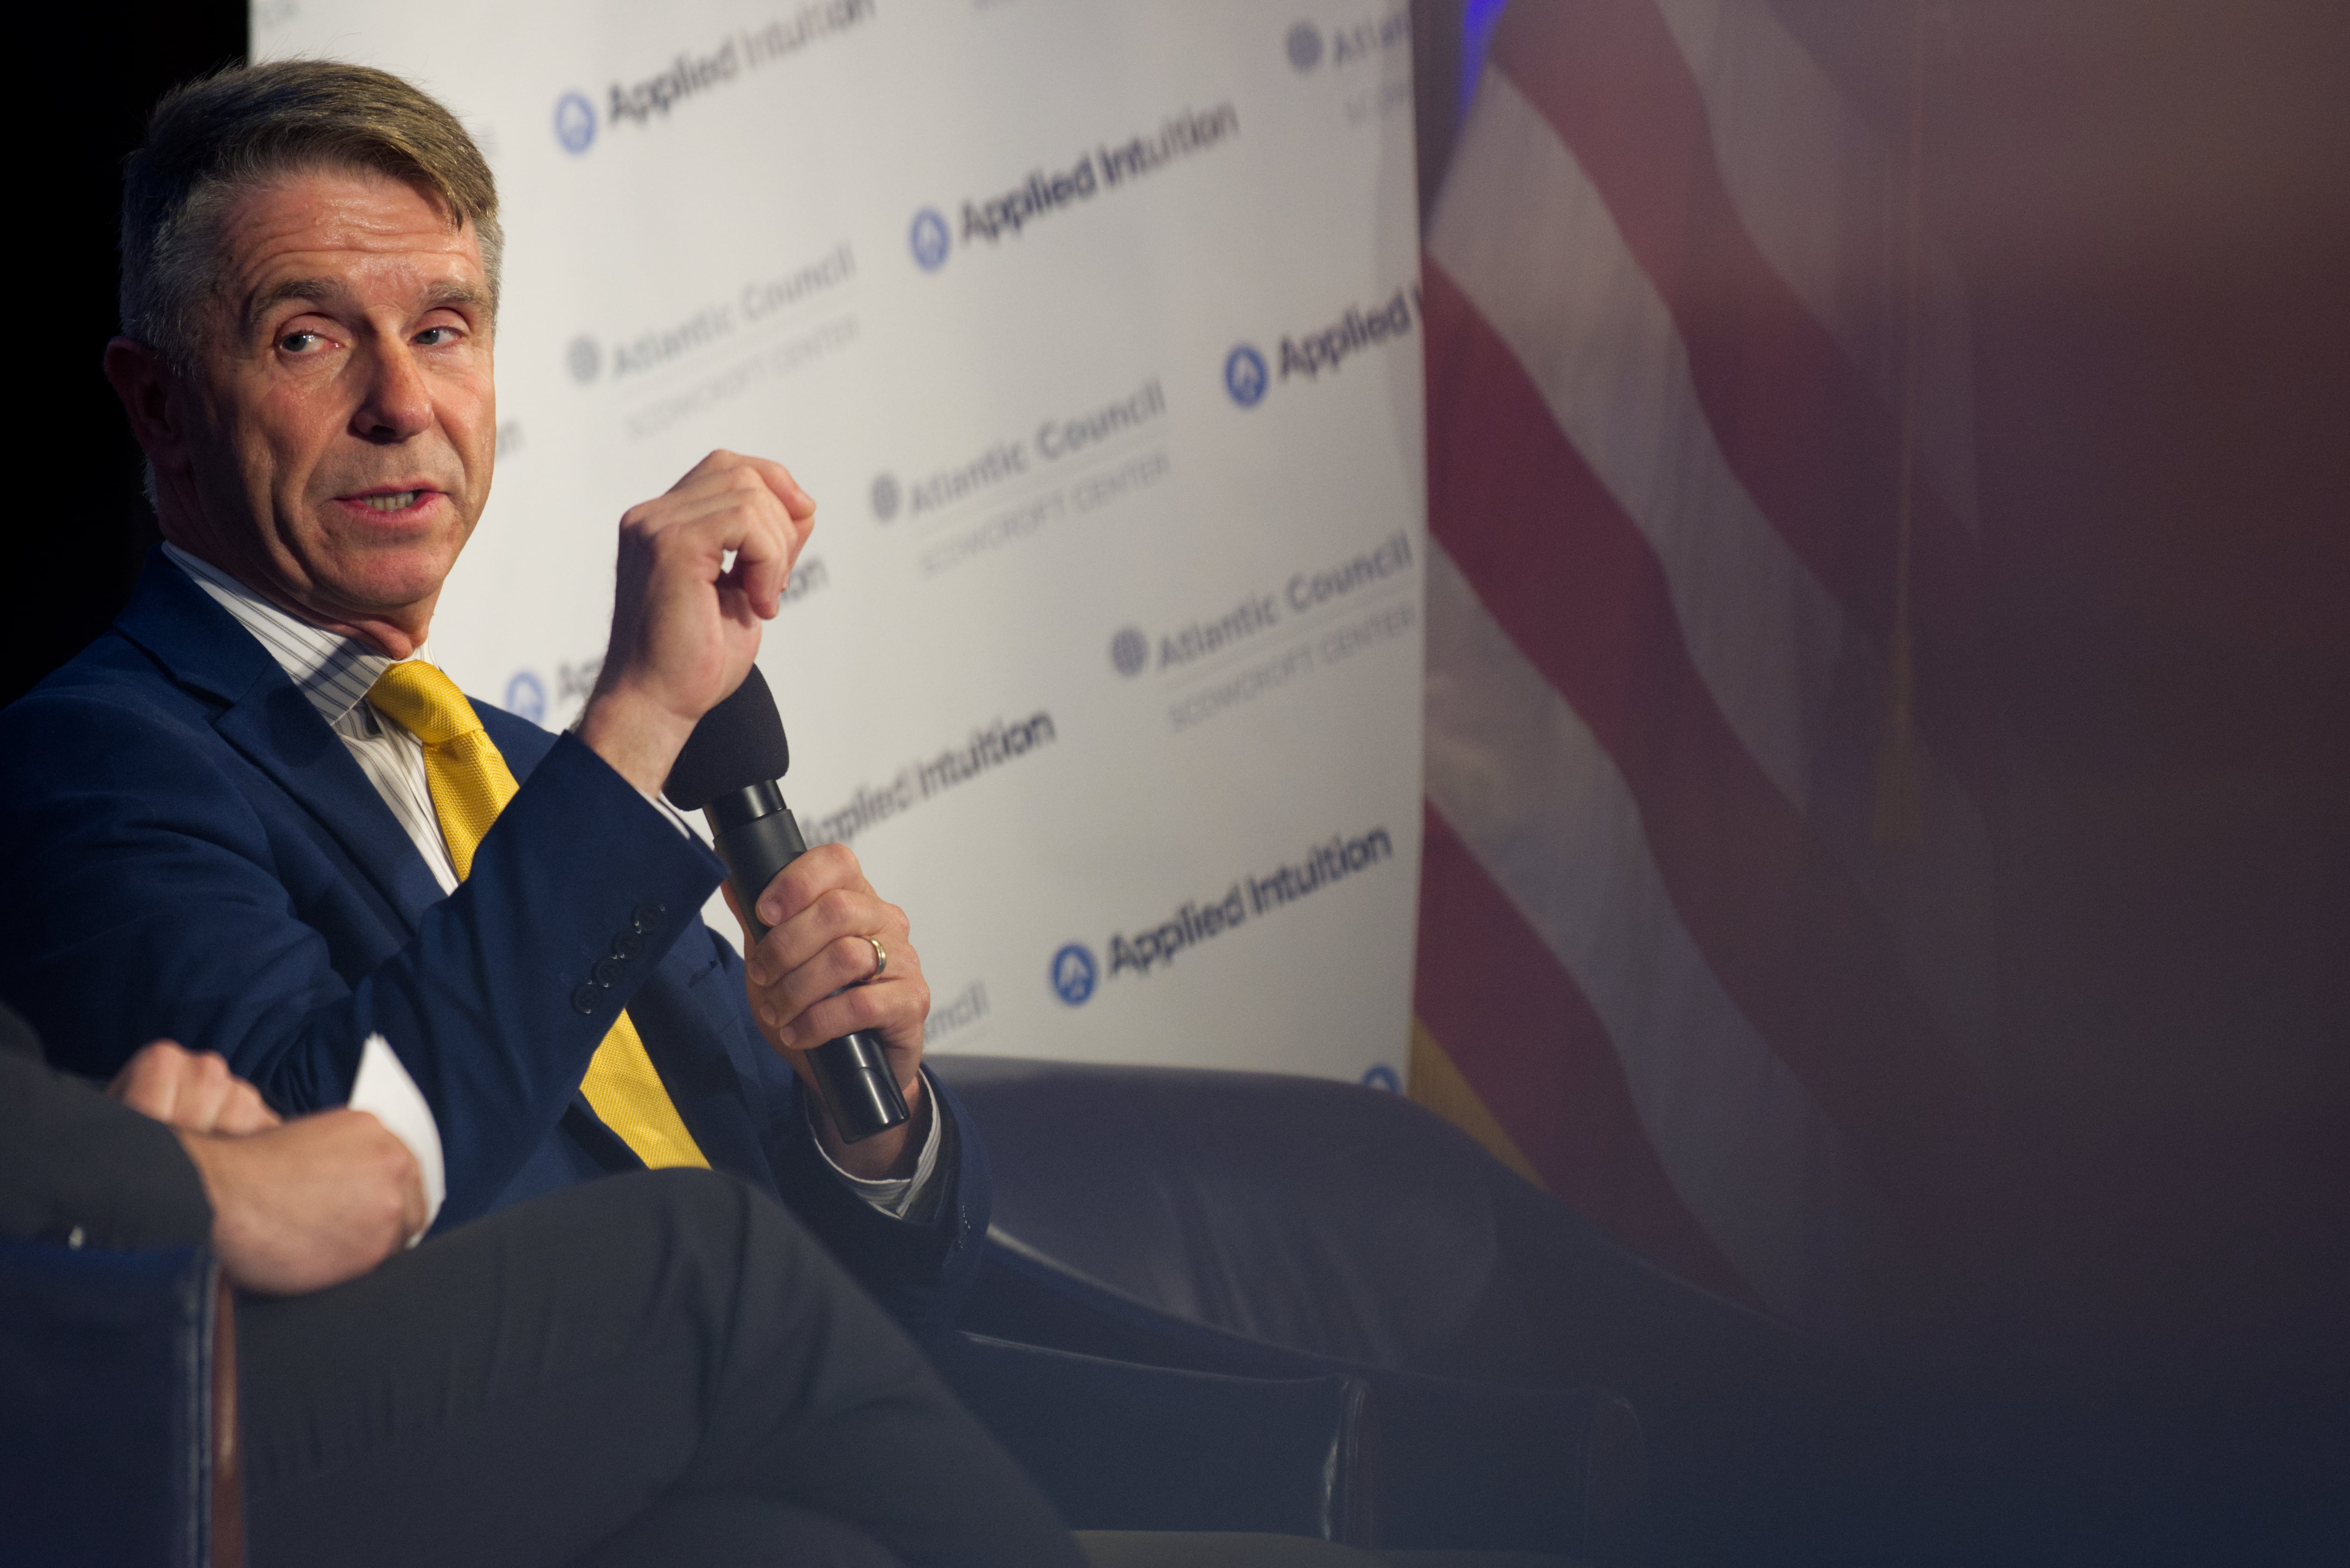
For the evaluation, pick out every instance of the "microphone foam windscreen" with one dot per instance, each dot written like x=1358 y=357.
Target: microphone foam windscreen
x=738 y=743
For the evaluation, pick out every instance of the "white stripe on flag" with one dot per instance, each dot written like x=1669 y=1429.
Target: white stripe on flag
x=1540 y=804
x=1823 y=199
x=1531 y=244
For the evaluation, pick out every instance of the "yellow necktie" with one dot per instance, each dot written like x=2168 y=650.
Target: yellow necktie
x=470 y=783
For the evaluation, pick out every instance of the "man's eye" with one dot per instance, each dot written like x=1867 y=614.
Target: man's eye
x=299 y=342
x=434 y=337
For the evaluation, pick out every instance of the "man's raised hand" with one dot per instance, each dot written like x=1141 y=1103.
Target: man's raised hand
x=685 y=621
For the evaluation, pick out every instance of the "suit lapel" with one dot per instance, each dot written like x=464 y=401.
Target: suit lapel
x=280 y=734
x=273 y=726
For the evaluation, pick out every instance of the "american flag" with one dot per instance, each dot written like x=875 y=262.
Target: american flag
x=1706 y=922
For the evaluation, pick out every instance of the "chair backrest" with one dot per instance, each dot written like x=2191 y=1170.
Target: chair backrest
x=1162 y=1183
x=1321 y=1217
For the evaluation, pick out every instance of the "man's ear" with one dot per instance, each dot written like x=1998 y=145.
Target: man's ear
x=151 y=400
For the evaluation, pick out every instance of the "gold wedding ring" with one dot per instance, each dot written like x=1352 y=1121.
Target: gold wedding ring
x=880 y=959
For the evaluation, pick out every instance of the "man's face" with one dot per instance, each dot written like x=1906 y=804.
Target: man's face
x=343 y=417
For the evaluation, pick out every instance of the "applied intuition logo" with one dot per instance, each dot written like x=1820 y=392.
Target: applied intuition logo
x=1073 y=973
x=1305 y=46
x=527 y=696
x=575 y=122
x=886 y=497
x=1245 y=377
x=928 y=238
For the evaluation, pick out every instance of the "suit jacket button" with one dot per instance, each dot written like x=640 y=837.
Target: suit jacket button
x=628 y=945
x=649 y=917
x=608 y=973
x=587 y=999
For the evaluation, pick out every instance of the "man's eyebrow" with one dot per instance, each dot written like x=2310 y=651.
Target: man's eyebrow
x=277 y=293
x=456 y=293
x=449 y=294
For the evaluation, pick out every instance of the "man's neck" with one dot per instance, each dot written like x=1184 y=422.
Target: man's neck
x=390 y=638
x=247 y=603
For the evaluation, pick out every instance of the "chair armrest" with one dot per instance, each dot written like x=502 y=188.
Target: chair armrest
x=1120 y=1445
x=108 y=1404
x=1477 y=1466
x=1462 y=1464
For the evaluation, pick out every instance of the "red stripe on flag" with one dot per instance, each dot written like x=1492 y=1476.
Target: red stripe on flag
x=1515 y=1024
x=1795 y=944
x=1806 y=435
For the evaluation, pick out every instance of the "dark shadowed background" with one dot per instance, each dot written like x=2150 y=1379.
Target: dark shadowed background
x=83 y=524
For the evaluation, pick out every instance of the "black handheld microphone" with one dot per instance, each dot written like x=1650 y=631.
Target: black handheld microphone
x=728 y=772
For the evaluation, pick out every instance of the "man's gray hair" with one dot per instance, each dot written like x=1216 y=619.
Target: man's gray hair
x=212 y=138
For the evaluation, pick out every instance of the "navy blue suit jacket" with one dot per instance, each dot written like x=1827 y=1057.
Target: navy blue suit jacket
x=190 y=852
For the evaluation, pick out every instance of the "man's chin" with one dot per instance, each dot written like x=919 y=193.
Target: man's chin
x=382 y=580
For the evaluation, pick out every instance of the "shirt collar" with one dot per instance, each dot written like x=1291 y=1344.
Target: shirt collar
x=332 y=670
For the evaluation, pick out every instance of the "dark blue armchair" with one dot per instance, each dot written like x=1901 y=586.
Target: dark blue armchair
x=1263 y=1226
x=118 y=1408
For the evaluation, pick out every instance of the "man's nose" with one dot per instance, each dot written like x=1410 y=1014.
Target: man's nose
x=395 y=403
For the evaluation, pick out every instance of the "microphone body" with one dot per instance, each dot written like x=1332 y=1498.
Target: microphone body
x=727 y=772
x=757 y=836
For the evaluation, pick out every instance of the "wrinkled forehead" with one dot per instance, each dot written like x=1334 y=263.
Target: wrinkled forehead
x=354 y=231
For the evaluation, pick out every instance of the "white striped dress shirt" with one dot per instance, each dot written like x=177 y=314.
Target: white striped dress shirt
x=335 y=672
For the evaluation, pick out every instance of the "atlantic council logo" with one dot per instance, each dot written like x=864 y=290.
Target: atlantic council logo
x=1130 y=652
x=585 y=358
x=1347 y=45
x=1245 y=377
x=1305 y=46
x=527 y=696
x=1073 y=973
x=928 y=237
x=575 y=122
x=886 y=497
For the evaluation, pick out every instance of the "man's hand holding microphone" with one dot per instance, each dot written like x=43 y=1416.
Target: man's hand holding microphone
x=700 y=568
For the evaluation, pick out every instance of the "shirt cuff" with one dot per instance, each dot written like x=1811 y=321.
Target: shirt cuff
x=893 y=1195
x=660 y=803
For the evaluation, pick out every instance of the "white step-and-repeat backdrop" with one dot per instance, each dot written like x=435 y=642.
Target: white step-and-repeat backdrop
x=1094 y=329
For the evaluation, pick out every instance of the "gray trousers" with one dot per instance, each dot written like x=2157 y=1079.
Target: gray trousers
x=661 y=1368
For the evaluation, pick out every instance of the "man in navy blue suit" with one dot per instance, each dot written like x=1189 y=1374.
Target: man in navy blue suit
x=251 y=817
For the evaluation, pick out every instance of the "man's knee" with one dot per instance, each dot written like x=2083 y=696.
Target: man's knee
x=683 y=1195
x=709 y=1221
x=683 y=1211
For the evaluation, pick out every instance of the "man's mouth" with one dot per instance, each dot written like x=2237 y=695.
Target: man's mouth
x=391 y=503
